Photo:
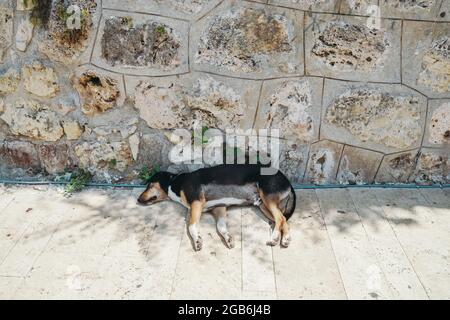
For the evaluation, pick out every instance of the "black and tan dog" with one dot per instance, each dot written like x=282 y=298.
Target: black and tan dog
x=216 y=188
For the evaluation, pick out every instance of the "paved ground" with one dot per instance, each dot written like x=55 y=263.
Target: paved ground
x=347 y=244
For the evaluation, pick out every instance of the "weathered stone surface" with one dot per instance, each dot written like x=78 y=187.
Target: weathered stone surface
x=293 y=158
x=72 y=129
x=314 y=5
x=263 y=42
x=19 y=154
x=133 y=141
x=32 y=119
x=433 y=166
x=358 y=166
x=6 y=30
x=348 y=49
x=414 y=9
x=118 y=123
x=23 y=5
x=215 y=101
x=292 y=106
x=24 y=34
x=141 y=44
x=103 y=155
x=437 y=131
x=397 y=168
x=183 y=9
x=387 y=118
x=40 y=80
x=154 y=149
x=436 y=66
x=54 y=157
x=98 y=92
x=161 y=104
x=426 y=57
x=65 y=45
x=364 y=7
x=158 y=46
x=9 y=81
x=323 y=162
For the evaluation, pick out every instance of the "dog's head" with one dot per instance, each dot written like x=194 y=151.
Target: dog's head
x=157 y=189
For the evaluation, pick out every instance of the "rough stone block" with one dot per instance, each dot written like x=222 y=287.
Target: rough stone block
x=264 y=42
x=181 y=9
x=72 y=129
x=386 y=118
x=141 y=44
x=397 y=168
x=358 y=166
x=415 y=9
x=179 y=102
x=6 y=30
x=23 y=5
x=293 y=159
x=323 y=162
x=9 y=81
x=33 y=119
x=426 y=57
x=293 y=106
x=54 y=157
x=154 y=149
x=344 y=47
x=313 y=5
x=437 y=130
x=433 y=166
x=40 y=80
x=70 y=46
x=19 y=154
x=24 y=34
x=357 y=7
x=103 y=156
x=99 y=90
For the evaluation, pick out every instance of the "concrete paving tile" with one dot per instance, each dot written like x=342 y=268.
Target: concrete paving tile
x=257 y=259
x=8 y=285
x=215 y=271
x=422 y=232
x=393 y=262
x=358 y=264
x=307 y=269
x=61 y=276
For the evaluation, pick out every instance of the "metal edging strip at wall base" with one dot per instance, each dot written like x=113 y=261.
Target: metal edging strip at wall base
x=295 y=186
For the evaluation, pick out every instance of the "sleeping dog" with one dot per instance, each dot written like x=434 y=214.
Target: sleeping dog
x=216 y=188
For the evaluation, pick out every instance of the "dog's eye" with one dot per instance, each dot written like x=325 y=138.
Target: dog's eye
x=153 y=198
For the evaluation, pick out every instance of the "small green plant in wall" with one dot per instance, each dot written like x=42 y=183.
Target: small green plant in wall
x=112 y=163
x=78 y=180
x=146 y=173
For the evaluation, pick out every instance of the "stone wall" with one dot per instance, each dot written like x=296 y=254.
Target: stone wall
x=355 y=104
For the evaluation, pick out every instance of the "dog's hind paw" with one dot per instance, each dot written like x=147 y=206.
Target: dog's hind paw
x=273 y=242
x=230 y=242
x=285 y=241
x=198 y=244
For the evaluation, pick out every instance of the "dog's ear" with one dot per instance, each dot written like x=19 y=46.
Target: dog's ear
x=164 y=179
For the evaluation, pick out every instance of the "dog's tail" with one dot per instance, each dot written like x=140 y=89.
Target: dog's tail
x=290 y=203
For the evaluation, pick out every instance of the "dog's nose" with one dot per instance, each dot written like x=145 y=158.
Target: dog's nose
x=140 y=200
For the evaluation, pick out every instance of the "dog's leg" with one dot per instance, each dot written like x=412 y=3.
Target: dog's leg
x=286 y=237
x=279 y=221
x=194 y=219
x=221 y=223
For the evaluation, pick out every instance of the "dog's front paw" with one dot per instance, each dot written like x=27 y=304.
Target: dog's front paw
x=198 y=244
x=285 y=241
